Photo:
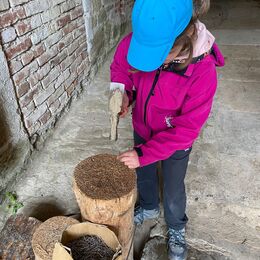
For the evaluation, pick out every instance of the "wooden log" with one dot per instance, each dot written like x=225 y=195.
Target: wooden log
x=16 y=236
x=49 y=233
x=105 y=190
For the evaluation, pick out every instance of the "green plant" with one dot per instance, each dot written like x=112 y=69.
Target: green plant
x=13 y=205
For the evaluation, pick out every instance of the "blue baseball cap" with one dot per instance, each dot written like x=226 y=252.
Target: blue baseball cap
x=156 y=24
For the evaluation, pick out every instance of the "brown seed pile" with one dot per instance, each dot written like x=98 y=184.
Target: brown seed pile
x=48 y=233
x=104 y=177
x=90 y=248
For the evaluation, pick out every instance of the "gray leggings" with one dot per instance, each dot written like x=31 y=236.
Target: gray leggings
x=174 y=196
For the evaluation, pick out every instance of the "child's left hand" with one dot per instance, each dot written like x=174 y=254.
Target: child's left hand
x=130 y=159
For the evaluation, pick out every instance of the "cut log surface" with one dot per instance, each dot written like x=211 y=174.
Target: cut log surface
x=103 y=177
x=16 y=236
x=47 y=234
x=106 y=193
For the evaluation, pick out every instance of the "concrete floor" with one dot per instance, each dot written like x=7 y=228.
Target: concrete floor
x=223 y=178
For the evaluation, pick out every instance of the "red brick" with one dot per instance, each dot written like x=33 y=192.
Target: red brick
x=21 y=75
x=11 y=16
x=28 y=123
x=63 y=99
x=51 y=77
x=59 y=58
x=54 y=106
x=81 y=76
x=33 y=79
x=34 y=128
x=38 y=50
x=27 y=98
x=43 y=71
x=82 y=29
x=15 y=66
x=68 y=40
x=17 y=49
x=69 y=81
x=81 y=49
x=44 y=95
x=45 y=117
x=28 y=109
x=61 y=22
x=75 y=64
x=23 y=27
x=81 y=39
x=71 y=88
x=62 y=77
x=6 y=19
x=72 y=48
x=27 y=57
x=20 y=12
x=67 y=62
x=22 y=89
x=67 y=6
x=78 y=11
x=80 y=21
x=61 y=45
x=32 y=120
x=69 y=28
x=46 y=56
x=33 y=66
x=81 y=68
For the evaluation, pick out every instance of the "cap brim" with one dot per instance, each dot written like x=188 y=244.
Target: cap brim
x=147 y=58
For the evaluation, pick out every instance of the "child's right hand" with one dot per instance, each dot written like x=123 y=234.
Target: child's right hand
x=124 y=107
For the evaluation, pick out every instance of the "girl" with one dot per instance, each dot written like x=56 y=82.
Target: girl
x=170 y=59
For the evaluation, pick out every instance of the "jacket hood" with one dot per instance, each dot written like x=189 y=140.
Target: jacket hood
x=203 y=43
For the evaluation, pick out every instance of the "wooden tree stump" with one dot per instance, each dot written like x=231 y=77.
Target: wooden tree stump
x=47 y=234
x=16 y=236
x=106 y=193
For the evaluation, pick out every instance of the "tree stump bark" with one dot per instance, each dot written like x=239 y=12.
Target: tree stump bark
x=105 y=190
x=47 y=234
x=16 y=238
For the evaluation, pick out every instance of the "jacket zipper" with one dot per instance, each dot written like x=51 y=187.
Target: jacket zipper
x=151 y=93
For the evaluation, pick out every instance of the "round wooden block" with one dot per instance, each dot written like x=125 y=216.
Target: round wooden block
x=103 y=177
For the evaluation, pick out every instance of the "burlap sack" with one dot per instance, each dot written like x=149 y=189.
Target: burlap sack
x=82 y=229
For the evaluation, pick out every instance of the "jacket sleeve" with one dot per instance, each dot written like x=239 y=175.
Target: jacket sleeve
x=120 y=69
x=186 y=126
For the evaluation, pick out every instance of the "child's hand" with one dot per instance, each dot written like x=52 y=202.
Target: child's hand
x=130 y=159
x=124 y=107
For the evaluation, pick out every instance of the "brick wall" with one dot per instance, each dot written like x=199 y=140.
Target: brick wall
x=45 y=46
x=49 y=53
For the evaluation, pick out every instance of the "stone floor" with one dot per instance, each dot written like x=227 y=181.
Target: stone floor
x=223 y=178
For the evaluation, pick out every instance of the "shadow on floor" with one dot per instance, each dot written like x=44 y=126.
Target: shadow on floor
x=45 y=210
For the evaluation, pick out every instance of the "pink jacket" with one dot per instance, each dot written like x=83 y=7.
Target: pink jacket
x=171 y=107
